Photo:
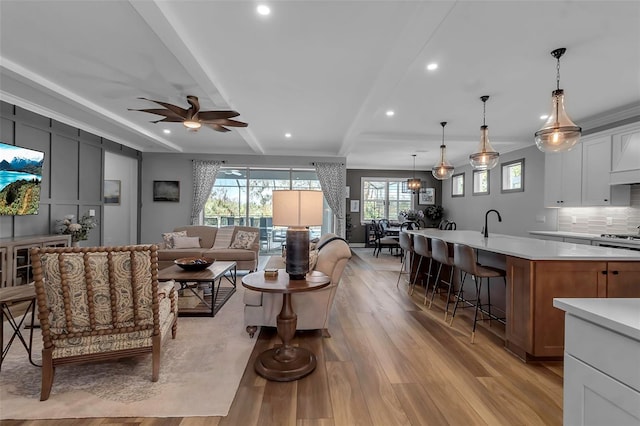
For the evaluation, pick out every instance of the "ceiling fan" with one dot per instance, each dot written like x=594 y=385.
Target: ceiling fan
x=193 y=118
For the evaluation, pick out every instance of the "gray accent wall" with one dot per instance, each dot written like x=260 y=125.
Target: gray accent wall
x=164 y=216
x=72 y=173
x=521 y=211
x=354 y=178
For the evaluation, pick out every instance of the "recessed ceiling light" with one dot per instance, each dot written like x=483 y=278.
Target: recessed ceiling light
x=263 y=10
x=544 y=117
x=390 y=113
x=432 y=66
x=166 y=131
x=287 y=135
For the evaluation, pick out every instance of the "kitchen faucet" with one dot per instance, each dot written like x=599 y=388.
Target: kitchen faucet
x=486 y=229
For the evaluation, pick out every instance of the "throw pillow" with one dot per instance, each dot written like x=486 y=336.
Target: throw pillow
x=186 y=242
x=313 y=259
x=243 y=240
x=167 y=237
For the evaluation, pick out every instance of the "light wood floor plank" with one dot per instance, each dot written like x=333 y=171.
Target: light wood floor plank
x=390 y=361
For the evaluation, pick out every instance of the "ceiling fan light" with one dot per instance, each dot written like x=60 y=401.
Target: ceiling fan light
x=559 y=133
x=191 y=124
x=486 y=158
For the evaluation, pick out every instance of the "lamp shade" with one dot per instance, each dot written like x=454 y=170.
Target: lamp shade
x=559 y=133
x=297 y=208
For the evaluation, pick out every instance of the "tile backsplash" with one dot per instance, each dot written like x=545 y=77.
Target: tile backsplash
x=593 y=220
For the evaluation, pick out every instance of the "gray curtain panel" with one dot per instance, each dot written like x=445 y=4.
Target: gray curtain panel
x=204 y=176
x=332 y=177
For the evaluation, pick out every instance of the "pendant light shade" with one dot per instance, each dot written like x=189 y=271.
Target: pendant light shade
x=414 y=184
x=443 y=170
x=486 y=158
x=559 y=133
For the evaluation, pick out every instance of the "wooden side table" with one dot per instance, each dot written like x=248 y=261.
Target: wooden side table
x=285 y=363
x=10 y=296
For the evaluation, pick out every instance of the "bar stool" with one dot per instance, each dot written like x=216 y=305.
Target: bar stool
x=440 y=253
x=465 y=259
x=421 y=247
x=406 y=245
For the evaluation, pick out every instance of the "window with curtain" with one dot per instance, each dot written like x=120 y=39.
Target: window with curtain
x=383 y=198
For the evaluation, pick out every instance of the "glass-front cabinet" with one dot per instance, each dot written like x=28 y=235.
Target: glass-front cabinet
x=15 y=256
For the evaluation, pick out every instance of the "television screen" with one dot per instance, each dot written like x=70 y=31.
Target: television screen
x=20 y=178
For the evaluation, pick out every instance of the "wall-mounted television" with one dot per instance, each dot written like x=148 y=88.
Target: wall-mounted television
x=20 y=179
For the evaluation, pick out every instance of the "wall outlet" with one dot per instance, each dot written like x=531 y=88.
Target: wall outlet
x=92 y=212
x=574 y=219
x=609 y=220
x=541 y=218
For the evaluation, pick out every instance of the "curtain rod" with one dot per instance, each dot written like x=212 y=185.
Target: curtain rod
x=222 y=161
x=313 y=163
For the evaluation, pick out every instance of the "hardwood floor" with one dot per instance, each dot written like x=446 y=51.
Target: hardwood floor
x=390 y=361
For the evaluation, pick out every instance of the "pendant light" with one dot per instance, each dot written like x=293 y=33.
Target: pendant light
x=559 y=133
x=414 y=184
x=486 y=158
x=444 y=169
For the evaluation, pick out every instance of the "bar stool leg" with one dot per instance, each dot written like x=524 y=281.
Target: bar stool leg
x=404 y=258
x=428 y=274
x=435 y=287
x=475 y=316
x=415 y=277
x=458 y=296
x=446 y=309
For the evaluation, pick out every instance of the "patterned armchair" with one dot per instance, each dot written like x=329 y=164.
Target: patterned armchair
x=100 y=303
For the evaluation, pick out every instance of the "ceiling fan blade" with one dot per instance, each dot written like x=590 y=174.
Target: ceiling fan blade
x=176 y=109
x=165 y=112
x=170 y=120
x=195 y=104
x=218 y=127
x=226 y=122
x=216 y=115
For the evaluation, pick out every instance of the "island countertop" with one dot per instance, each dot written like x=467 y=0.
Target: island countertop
x=530 y=248
x=619 y=315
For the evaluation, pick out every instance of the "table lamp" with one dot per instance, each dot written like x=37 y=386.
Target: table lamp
x=297 y=209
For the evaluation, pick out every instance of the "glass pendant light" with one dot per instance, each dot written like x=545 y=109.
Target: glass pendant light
x=559 y=133
x=414 y=184
x=486 y=158
x=444 y=169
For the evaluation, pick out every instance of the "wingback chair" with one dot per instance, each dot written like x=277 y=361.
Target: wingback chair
x=312 y=308
x=98 y=303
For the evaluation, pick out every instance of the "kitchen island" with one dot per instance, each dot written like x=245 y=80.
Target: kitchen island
x=539 y=271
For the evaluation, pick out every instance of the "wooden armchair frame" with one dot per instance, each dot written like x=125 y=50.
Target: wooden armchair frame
x=138 y=320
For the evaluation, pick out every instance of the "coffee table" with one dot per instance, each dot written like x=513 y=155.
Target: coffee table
x=212 y=276
x=285 y=363
x=10 y=296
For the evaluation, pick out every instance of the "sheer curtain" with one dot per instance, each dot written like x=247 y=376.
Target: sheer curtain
x=332 y=177
x=204 y=176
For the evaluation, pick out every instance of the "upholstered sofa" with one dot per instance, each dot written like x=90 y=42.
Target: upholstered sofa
x=227 y=243
x=312 y=308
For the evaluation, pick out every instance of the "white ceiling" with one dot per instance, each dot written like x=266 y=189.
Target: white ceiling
x=325 y=71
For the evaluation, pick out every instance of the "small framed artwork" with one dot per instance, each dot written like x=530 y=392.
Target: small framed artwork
x=111 y=193
x=427 y=196
x=355 y=206
x=166 y=190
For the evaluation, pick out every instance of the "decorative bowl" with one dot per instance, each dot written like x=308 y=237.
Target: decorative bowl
x=194 y=263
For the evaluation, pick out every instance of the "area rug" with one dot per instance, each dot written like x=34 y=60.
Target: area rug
x=384 y=261
x=199 y=374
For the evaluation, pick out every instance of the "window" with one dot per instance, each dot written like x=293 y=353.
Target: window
x=457 y=185
x=480 y=182
x=243 y=197
x=382 y=198
x=513 y=176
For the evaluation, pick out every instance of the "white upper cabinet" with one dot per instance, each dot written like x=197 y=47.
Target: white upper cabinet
x=596 y=169
x=563 y=178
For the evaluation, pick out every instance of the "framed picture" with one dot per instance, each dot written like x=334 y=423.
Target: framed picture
x=166 y=190
x=355 y=206
x=427 y=196
x=111 y=192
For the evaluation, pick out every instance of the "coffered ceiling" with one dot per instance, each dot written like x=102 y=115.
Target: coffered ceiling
x=324 y=71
